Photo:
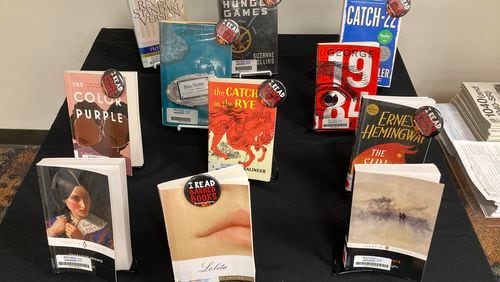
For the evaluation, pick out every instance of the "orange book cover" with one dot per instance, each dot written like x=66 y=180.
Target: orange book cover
x=241 y=129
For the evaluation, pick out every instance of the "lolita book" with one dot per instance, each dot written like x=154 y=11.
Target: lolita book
x=86 y=215
x=190 y=55
x=209 y=226
x=387 y=134
x=344 y=73
x=256 y=49
x=101 y=125
x=241 y=129
x=146 y=15
x=369 y=20
x=393 y=215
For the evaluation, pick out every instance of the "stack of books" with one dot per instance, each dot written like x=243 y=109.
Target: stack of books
x=478 y=102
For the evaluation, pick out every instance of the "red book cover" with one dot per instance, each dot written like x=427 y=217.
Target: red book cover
x=241 y=129
x=344 y=73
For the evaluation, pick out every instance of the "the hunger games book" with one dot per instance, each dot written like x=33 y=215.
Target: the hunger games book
x=146 y=15
x=85 y=207
x=393 y=215
x=344 y=73
x=104 y=126
x=241 y=129
x=387 y=133
x=209 y=226
x=190 y=55
x=256 y=49
x=369 y=20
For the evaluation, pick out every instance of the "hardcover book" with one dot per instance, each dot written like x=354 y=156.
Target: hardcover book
x=393 y=214
x=103 y=126
x=209 y=226
x=146 y=15
x=387 y=134
x=368 y=20
x=344 y=73
x=241 y=129
x=190 y=55
x=256 y=49
x=86 y=215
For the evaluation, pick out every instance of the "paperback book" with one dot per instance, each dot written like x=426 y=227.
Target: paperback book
x=146 y=15
x=368 y=20
x=241 y=129
x=393 y=214
x=256 y=49
x=85 y=205
x=190 y=55
x=344 y=73
x=209 y=226
x=387 y=134
x=101 y=125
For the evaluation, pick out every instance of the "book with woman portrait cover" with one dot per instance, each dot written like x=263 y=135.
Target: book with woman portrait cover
x=104 y=126
x=85 y=205
x=209 y=226
x=241 y=129
x=393 y=215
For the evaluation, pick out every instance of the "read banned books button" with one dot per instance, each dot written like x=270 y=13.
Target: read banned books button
x=202 y=190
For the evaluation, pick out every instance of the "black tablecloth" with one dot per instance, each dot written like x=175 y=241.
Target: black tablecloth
x=297 y=218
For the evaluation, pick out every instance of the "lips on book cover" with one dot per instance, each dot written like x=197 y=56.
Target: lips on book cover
x=99 y=124
x=209 y=233
x=241 y=129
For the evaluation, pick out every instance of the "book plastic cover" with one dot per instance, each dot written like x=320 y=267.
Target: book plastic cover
x=368 y=20
x=241 y=129
x=209 y=226
x=99 y=124
x=190 y=55
x=386 y=134
x=77 y=210
x=344 y=73
x=146 y=15
x=257 y=46
x=391 y=225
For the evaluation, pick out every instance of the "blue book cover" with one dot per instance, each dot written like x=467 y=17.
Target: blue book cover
x=189 y=55
x=368 y=20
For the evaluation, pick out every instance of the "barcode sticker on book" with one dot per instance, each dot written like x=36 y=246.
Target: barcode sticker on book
x=372 y=262
x=240 y=66
x=335 y=123
x=184 y=116
x=76 y=262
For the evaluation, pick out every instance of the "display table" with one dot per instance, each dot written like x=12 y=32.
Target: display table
x=298 y=219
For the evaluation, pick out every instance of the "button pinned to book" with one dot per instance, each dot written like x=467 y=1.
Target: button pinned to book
x=272 y=93
x=428 y=121
x=227 y=31
x=271 y=3
x=398 y=8
x=202 y=190
x=113 y=83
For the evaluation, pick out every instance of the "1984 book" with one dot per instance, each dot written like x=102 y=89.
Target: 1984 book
x=256 y=49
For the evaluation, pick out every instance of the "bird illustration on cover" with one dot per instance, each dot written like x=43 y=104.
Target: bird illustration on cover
x=243 y=131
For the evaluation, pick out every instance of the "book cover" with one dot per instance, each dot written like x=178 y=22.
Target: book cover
x=387 y=134
x=256 y=49
x=190 y=55
x=241 y=129
x=86 y=215
x=368 y=20
x=344 y=73
x=103 y=126
x=146 y=15
x=209 y=226
x=392 y=222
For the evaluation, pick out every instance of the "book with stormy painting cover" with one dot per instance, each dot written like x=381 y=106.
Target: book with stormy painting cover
x=393 y=214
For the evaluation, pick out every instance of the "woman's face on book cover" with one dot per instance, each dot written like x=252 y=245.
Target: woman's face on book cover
x=79 y=202
x=223 y=228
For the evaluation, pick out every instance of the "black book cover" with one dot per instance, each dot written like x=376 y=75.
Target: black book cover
x=257 y=47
